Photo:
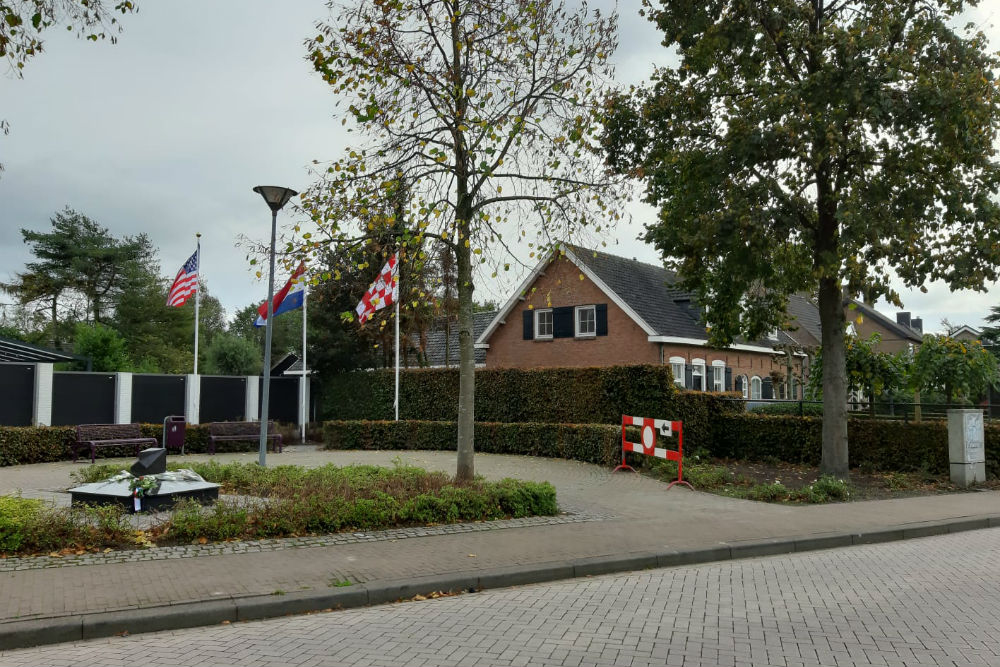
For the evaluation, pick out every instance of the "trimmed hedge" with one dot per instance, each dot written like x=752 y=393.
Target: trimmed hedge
x=43 y=444
x=599 y=395
x=590 y=443
x=530 y=396
x=888 y=445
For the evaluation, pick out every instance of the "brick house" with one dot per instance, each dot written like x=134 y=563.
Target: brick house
x=586 y=308
x=904 y=333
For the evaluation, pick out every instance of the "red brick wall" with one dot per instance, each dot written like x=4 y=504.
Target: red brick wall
x=626 y=342
x=561 y=286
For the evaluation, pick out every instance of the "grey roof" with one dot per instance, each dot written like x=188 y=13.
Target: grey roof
x=19 y=351
x=904 y=333
x=650 y=291
x=803 y=319
x=436 y=339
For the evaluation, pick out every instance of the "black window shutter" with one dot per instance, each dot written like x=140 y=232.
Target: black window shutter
x=729 y=379
x=688 y=382
x=562 y=322
x=602 y=319
x=767 y=388
x=529 y=324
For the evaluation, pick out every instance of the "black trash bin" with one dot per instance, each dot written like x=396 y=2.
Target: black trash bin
x=173 y=432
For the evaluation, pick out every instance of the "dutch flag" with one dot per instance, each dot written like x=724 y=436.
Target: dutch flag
x=288 y=298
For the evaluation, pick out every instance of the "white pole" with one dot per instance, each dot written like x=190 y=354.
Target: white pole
x=303 y=408
x=197 y=302
x=397 y=360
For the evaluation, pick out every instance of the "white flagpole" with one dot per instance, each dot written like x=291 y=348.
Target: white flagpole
x=197 y=301
x=304 y=409
x=397 y=358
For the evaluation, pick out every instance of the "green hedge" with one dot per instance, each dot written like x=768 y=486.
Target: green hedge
x=543 y=395
x=591 y=443
x=28 y=444
x=889 y=445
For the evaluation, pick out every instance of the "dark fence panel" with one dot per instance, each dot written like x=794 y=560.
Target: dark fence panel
x=17 y=394
x=283 y=401
x=222 y=399
x=83 y=398
x=157 y=396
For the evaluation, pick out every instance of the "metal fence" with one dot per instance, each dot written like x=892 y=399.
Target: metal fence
x=867 y=409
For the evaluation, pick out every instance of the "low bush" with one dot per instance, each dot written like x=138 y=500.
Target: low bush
x=297 y=501
x=32 y=526
x=795 y=409
x=591 y=443
x=294 y=500
x=874 y=444
x=43 y=444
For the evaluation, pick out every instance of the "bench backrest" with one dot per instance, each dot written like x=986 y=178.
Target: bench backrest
x=238 y=428
x=86 y=432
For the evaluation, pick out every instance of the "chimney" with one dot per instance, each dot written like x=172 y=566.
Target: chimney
x=917 y=324
x=903 y=319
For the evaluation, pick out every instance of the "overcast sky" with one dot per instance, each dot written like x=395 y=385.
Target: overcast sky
x=167 y=132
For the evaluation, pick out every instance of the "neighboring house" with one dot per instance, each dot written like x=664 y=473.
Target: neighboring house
x=902 y=334
x=441 y=347
x=966 y=333
x=591 y=308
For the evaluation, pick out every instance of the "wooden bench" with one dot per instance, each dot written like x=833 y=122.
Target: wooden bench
x=92 y=436
x=225 y=431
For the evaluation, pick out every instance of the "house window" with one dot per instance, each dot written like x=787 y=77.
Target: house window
x=586 y=321
x=543 y=323
x=698 y=374
x=743 y=385
x=755 y=388
x=718 y=376
x=677 y=368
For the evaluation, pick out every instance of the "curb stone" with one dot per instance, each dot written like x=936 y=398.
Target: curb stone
x=58 y=629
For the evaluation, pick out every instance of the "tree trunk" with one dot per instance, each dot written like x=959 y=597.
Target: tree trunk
x=466 y=365
x=831 y=314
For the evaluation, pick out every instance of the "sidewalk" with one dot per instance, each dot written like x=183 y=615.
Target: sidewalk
x=615 y=523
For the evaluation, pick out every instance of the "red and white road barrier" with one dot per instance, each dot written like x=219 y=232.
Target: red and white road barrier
x=649 y=429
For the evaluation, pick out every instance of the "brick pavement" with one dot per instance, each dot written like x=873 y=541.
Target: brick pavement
x=930 y=601
x=635 y=514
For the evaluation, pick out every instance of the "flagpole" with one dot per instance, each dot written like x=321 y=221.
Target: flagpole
x=397 y=360
x=304 y=409
x=197 y=301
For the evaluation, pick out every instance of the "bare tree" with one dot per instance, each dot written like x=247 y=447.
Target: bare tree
x=488 y=110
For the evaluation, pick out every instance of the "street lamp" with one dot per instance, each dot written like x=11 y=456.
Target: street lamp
x=276 y=197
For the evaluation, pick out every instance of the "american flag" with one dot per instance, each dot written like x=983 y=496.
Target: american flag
x=186 y=282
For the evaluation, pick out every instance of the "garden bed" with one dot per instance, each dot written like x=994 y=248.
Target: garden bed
x=778 y=481
x=283 y=501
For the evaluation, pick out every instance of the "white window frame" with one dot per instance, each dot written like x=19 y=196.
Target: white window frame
x=698 y=370
x=718 y=375
x=678 y=377
x=552 y=323
x=760 y=388
x=745 y=388
x=576 y=321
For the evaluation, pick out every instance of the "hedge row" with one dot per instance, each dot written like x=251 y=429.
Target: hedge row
x=542 y=395
x=881 y=444
x=43 y=444
x=591 y=443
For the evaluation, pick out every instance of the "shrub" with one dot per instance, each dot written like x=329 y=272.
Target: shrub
x=591 y=443
x=796 y=409
x=15 y=514
x=331 y=499
x=541 y=395
x=32 y=526
x=43 y=444
x=875 y=444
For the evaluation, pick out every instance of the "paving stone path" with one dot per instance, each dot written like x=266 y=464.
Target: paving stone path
x=930 y=601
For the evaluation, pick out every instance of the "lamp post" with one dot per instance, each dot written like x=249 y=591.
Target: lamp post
x=276 y=197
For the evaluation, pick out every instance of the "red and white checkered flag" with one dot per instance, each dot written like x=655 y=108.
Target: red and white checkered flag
x=383 y=292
